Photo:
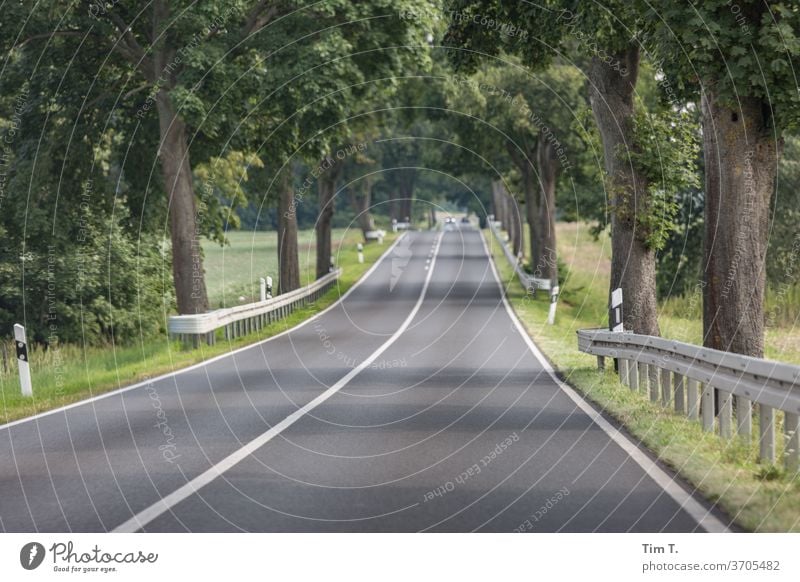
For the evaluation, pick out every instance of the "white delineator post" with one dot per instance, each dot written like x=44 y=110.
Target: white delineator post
x=22 y=360
x=263 y=289
x=361 y=252
x=615 y=324
x=332 y=267
x=269 y=287
x=615 y=313
x=551 y=317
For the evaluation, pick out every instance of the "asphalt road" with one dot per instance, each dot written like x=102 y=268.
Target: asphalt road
x=413 y=404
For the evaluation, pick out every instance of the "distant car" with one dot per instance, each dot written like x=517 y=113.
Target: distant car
x=464 y=220
x=449 y=223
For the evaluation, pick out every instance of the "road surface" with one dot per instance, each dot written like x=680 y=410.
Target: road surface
x=414 y=404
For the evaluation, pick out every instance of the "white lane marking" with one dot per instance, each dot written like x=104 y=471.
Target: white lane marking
x=165 y=504
x=684 y=499
x=210 y=360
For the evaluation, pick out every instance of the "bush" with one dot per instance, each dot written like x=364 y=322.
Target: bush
x=105 y=284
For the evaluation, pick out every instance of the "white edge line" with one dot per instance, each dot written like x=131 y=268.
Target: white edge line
x=685 y=500
x=210 y=360
x=164 y=504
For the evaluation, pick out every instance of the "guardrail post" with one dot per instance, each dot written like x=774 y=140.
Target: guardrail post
x=643 y=376
x=766 y=432
x=791 y=448
x=652 y=378
x=707 y=408
x=624 y=371
x=725 y=414
x=692 y=401
x=22 y=360
x=601 y=363
x=744 y=417
x=666 y=387
x=633 y=374
x=678 y=383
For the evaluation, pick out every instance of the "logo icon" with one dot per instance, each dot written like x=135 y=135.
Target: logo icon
x=31 y=555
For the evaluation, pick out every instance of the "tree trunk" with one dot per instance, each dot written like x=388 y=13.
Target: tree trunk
x=518 y=240
x=508 y=223
x=288 y=262
x=497 y=201
x=547 y=265
x=633 y=264
x=408 y=205
x=407 y=181
x=514 y=227
x=532 y=198
x=431 y=216
x=326 y=188
x=187 y=254
x=361 y=204
x=741 y=155
x=511 y=222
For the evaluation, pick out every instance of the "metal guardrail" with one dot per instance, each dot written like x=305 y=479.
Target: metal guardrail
x=244 y=319
x=685 y=376
x=530 y=283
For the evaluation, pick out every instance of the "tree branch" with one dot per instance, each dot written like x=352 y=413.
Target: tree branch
x=49 y=35
x=259 y=17
x=129 y=47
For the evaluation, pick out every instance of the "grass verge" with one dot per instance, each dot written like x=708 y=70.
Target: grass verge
x=68 y=373
x=759 y=498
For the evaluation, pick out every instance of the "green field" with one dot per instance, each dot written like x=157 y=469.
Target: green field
x=761 y=498
x=233 y=270
x=67 y=373
x=588 y=263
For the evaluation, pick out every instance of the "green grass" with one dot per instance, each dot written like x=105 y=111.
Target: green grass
x=69 y=373
x=681 y=318
x=759 y=497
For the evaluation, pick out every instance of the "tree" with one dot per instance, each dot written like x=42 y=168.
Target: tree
x=75 y=265
x=162 y=52
x=740 y=60
x=329 y=171
x=599 y=34
x=362 y=64
x=528 y=117
x=202 y=70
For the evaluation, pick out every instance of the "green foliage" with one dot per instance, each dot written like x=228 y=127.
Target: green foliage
x=551 y=28
x=783 y=266
x=255 y=83
x=104 y=284
x=665 y=149
x=219 y=184
x=747 y=48
x=680 y=260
